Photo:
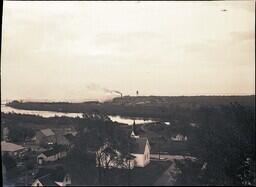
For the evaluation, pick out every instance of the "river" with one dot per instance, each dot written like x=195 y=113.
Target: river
x=47 y=114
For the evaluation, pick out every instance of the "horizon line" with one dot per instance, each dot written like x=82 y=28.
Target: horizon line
x=89 y=99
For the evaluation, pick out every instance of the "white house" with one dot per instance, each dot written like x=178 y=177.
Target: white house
x=52 y=177
x=139 y=157
x=51 y=155
x=141 y=152
x=140 y=149
x=179 y=138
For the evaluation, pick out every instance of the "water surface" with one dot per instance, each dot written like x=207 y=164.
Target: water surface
x=47 y=114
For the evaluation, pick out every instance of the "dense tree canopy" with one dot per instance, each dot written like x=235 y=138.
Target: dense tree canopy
x=18 y=134
x=227 y=144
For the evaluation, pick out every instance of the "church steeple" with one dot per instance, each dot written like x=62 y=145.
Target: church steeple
x=133 y=134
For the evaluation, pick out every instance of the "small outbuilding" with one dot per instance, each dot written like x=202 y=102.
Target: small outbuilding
x=51 y=155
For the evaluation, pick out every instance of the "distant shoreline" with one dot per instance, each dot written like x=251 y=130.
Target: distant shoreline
x=99 y=100
x=142 y=106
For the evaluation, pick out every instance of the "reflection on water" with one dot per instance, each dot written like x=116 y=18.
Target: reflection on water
x=47 y=114
x=129 y=121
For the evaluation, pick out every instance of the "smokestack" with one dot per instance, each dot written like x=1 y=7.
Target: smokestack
x=121 y=95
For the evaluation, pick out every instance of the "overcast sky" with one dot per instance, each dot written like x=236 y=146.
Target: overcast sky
x=78 y=50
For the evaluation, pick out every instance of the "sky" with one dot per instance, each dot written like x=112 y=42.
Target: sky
x=82 y=50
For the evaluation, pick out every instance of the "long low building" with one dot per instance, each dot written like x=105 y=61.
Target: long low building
x=11 y=148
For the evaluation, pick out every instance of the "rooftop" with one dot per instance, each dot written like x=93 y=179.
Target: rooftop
x=47 y=180
x=53 y=151
x=10 y=147
x=139 y=145
x=69 y=137
x=47 y=132
x=51 y=174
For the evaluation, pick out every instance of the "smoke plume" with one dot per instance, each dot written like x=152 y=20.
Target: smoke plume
x=96 y=87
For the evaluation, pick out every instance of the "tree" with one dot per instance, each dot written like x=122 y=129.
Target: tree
x=227 y=141
x=97 y=133
x=18 y=134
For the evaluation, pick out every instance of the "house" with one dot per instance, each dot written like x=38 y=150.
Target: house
x=179 y=138
x=140 y=149
x=52 y=177
x=45 y=136
x=71 y=130
x=60 y=135
x=139 y=155
x=141 y=152
x=11 y=148
x=51 y=155
x=65 y=139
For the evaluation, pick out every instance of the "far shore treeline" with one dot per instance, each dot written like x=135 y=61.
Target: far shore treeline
x=188 y=107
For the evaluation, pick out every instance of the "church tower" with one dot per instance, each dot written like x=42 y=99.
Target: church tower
x=133 y=134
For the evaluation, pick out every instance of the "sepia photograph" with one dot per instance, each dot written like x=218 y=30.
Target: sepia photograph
x=128 y=93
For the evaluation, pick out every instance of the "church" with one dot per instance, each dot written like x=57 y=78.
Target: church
x=140 y=154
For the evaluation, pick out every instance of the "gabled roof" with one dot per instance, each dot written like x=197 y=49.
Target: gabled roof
x=10 y=147
x=52 y=152
x=139 y=145
x=42 y=172
x=48 y=176
x=47 y=132
x=130 y=157
x=47 y=180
